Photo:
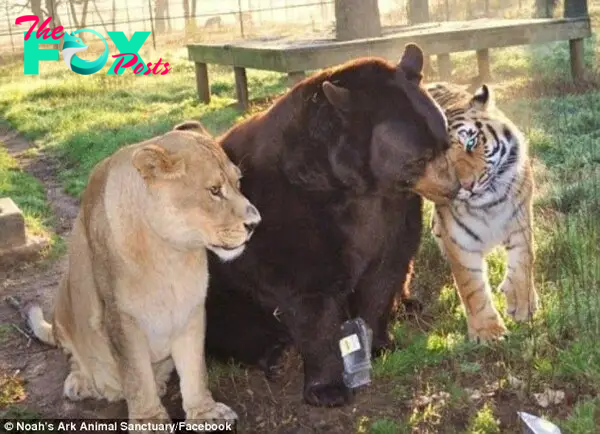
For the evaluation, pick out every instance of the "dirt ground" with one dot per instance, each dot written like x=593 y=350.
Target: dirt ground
x=263 y=405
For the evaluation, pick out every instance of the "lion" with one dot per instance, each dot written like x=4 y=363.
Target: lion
x=130 y=307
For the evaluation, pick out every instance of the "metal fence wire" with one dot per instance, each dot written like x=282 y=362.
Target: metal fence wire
x=181 y=21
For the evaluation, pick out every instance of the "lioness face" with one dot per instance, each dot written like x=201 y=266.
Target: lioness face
x=194 y=197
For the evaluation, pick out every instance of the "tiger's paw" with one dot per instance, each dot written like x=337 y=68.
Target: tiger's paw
x=486 y=326
x=519 y=308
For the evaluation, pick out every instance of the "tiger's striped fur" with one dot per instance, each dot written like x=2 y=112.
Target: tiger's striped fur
x=493 y=207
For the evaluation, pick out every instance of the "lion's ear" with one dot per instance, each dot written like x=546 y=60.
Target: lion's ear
x=154 y=162
x=192 y=126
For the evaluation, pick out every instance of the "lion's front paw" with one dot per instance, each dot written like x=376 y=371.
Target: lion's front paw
x=519 y=307
x=77 y=387
x=486 y=326
x=217 y=412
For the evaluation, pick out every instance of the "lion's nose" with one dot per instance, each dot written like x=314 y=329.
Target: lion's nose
x=252 y=218
x=250 y=226
x=252 y=212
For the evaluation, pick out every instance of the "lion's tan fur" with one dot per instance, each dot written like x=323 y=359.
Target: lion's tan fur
x=132 y=300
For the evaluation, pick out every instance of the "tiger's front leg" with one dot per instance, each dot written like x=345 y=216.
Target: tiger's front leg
x=518 y=285
x=469 y=272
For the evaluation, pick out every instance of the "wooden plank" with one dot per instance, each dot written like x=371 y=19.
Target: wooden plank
x=483 y=64
x=438 y=43
x=241 y=86
x=444 y=67
x=249 y=57
x=202 y=83
x=447 y=38
x=577 y=59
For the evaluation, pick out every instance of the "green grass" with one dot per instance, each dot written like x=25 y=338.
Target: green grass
x=27 y=193
x=5 y=331
x=484 y=422
x=455 y=386
x=86 y=118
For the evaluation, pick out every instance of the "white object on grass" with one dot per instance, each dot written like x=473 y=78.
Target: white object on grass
x=537 y=425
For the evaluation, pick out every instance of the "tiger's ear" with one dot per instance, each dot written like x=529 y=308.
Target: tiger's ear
x=154 y=162
x=482 y=98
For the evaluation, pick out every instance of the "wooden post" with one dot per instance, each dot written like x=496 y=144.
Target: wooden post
x=576 y=8
x=483 y=64
x=444 y=67
x=295 y=77
x=577 y=59
x=241 y=86
x=202 y=82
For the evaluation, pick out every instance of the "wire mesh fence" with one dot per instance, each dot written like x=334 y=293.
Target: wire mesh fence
x=180 y=21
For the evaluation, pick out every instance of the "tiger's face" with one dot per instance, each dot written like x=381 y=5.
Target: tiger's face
x=468 y=155
x=485 y=144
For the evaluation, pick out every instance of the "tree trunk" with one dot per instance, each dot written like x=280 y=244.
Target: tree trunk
x=576 y=8
x=84 y=13
x=169 y=27
x=114 y=15
x=418 y=11
x=74 y=13
x=52 y=12
x=186 y=12
x=544 y=8
x=355 y=19
x=193 y=16
x=36 y=9
x=160 y=13
x=194 y=4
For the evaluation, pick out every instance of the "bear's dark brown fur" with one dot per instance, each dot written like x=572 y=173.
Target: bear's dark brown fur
x=330 y=167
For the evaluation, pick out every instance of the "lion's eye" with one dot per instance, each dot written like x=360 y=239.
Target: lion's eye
x=215 y=191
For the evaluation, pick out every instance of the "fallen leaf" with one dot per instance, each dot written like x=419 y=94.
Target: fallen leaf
x=549 y=397
x=515 y=383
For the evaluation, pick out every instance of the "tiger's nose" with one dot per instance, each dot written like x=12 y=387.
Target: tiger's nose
x=467 y=184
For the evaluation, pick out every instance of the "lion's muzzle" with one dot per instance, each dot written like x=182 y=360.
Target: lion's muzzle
x=252 y=219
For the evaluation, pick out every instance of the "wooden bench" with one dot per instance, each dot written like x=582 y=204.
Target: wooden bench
x=294 y=57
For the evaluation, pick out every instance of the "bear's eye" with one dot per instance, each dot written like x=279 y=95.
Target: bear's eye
x=215 y=190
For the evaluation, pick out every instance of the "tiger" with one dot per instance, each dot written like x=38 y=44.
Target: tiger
x=493 y=208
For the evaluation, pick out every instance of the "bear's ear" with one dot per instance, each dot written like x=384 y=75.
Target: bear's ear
x=482 y=98
x=411 y=63
x=192 y=126
x=337 y=96
x=154 y=162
